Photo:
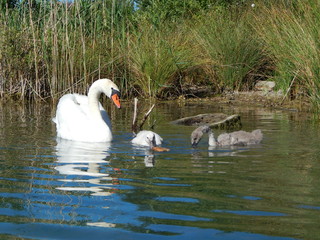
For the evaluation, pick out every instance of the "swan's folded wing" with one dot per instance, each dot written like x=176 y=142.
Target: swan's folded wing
x=71 y=114
x=73 y=107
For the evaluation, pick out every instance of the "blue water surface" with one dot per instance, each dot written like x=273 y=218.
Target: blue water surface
x=57 y=189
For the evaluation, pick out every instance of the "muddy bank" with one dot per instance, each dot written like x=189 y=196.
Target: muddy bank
x=270 y=99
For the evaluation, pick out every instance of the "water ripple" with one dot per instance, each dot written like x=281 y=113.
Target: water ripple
x=58 y=189
x=251 y=213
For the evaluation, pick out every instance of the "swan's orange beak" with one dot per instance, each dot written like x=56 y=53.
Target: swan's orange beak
x=115 y=98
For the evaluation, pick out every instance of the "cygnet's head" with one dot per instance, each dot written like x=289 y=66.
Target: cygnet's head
x=151 y=139
x=197 y=134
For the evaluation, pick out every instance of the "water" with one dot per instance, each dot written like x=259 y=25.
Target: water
x=53 y=189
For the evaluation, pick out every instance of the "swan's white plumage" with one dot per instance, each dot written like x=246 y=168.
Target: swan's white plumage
x=82 y=118
x=144 y=138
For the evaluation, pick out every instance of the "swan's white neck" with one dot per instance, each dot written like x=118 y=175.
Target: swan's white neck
x=103 y=85
x=93 y=101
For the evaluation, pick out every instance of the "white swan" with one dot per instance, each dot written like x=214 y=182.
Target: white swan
x=240 y=138
x=147 y=138
x=82 y=118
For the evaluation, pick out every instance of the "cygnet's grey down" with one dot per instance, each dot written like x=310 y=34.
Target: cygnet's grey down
x=239 y=138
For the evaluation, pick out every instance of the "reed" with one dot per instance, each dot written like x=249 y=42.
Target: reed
x=48 y=48
x=230 y=43
x=156 y=55
x=292 y=38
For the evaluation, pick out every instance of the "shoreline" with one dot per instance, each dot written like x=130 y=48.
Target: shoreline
x=260 y=99
x=270 y=99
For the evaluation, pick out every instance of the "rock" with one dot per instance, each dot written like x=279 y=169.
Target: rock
x=214 y=120
x=266 y=86
x=191 y=91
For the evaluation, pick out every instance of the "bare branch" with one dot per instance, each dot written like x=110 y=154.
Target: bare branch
x=146 y=117
x=135 y=127
x=134 y=121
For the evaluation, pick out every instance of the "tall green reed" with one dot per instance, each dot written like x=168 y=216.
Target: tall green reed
x=293 y=39
x=156 y=55
x=231 y=47
x=50 y=48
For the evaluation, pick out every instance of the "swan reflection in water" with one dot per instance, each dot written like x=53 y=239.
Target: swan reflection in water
x=149 y=159
x=145 y=152
x=85 y=159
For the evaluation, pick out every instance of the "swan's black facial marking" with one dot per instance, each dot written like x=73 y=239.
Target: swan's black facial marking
x=114 y=91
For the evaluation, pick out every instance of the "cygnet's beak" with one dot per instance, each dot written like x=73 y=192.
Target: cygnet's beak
x=115 y=98
x=160 y=149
